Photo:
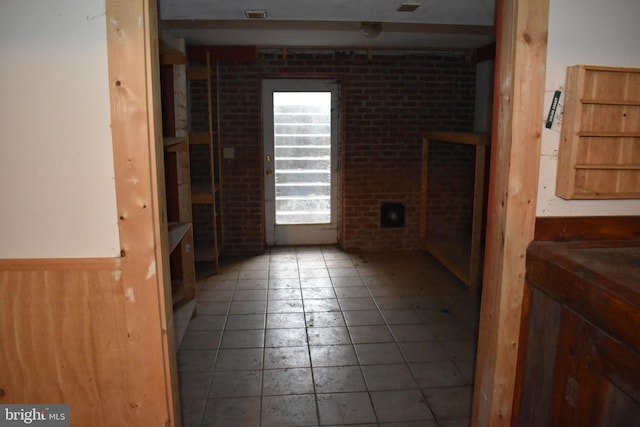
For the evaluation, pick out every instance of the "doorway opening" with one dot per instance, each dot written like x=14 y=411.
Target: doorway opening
x=300 y=137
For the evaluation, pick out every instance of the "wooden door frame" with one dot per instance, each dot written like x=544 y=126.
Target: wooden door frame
x=519 y=90
x=522 y=27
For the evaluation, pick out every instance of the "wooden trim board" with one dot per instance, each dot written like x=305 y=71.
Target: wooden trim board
x=134 y=85
x=515 y=151
x=588 y=228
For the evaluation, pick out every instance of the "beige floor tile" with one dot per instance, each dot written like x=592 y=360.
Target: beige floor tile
x=239 y=359
x=356 y=304
x=236 y=322
x=285 y=320
x=194 y=385
x=449 y=402
x=401 y=405
x=323 y=319
x=437 y=374
x=338 y=379
x=236 y=384
x=286 y=357
x=389 y=377
x=201 y=340
x=333 y=355
x=290 y=337
x=363 y=317
x=292 y=410
x=370 y=334
x=376 y=354
x=328 y=336
x=287 y=381
x=423 y=351
x=345 y=408
x=238 y=411
x=411 y=332
x=243 y=339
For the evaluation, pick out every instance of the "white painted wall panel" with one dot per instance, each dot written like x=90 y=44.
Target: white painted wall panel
x=588 y=32
x=57 y=191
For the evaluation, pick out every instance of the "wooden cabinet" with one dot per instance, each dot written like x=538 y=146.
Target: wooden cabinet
x=599 y=155
x=461 y=257
x=580 y=355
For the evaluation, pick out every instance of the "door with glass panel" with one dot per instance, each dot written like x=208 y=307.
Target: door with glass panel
x=300 y=136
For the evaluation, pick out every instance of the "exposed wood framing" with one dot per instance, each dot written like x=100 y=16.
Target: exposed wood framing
x=133 y=60
x=518 y=108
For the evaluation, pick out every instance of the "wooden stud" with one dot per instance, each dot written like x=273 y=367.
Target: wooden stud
x=133 y=60
x=518 y=106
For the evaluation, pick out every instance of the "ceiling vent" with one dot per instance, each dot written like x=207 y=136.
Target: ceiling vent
x=255 y=14
x=408 y=7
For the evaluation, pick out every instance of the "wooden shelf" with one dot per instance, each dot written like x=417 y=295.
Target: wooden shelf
x=198 y=73
x=200 y=138
x=177 y=232
x=208 y=193
x=610 y=102
x=169 y=55
x=177 y=195
x=202 y=194
x=611 y=166
x=205 y=253
x=462 y=258
x=171 y=142
x=602 y=134
x=455 y=255
x=599 y=154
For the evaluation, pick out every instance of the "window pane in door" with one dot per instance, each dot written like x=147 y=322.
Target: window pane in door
x=302 y=155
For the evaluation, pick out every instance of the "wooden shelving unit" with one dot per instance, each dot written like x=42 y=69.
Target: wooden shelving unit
x=209 y=193
x=462 y=257
x=178 y=191
x=599 y=155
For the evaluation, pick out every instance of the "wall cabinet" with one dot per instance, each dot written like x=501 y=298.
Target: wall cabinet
x=580 y=355
x=599 y=155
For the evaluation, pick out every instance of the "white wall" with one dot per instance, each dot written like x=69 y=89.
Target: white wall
x=57 y=191
x=588 y=32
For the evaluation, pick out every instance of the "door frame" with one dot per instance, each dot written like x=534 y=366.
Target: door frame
x=274 y=234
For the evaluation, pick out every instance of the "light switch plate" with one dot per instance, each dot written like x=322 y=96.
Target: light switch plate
x=228 y=153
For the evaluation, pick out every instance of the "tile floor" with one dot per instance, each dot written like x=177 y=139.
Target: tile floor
x=317 y=337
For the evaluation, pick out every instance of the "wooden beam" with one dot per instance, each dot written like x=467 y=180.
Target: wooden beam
x=150 y=368
x=265 y=25
x=515 y=152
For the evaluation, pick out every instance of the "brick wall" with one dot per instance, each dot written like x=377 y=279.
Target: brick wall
x=388 y=101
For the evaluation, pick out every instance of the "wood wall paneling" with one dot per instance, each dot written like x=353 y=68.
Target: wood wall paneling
x=64 y=338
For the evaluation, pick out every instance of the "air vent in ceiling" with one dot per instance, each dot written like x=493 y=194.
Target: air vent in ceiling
x=408 y=7
x=256 y=14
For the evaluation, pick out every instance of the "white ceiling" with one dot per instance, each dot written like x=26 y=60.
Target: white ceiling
x=436 y=24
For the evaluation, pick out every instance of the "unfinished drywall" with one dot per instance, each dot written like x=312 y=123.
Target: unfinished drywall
x=589 y=32
x=56 y=160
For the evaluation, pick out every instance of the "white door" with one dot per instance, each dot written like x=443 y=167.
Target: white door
x=300 y=136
